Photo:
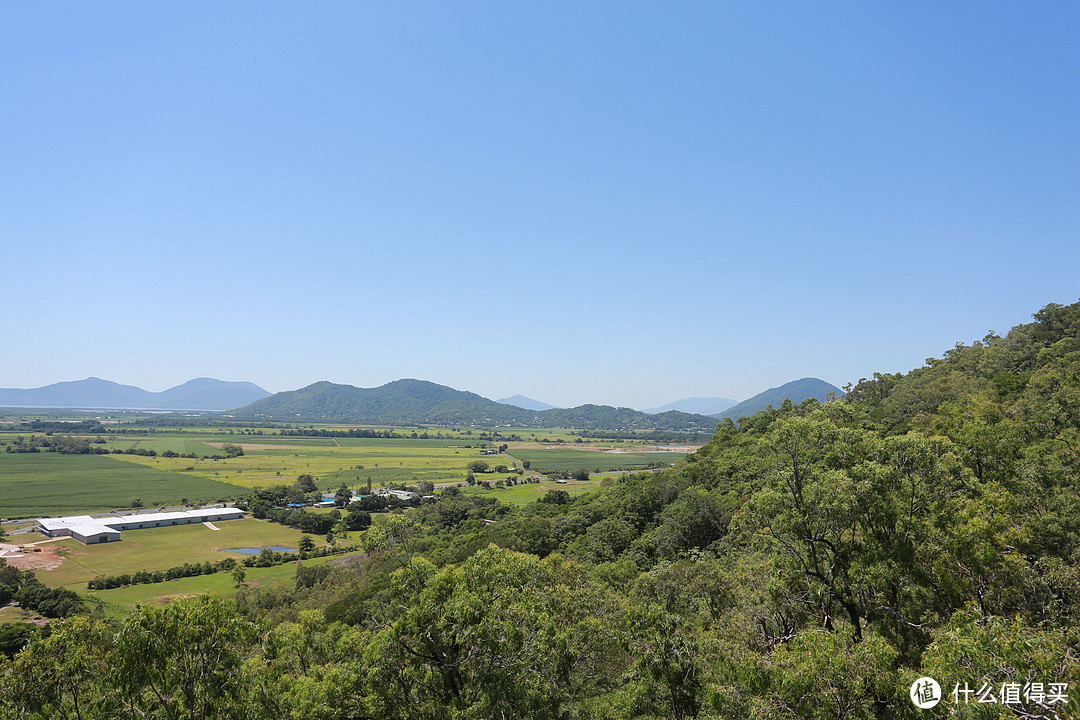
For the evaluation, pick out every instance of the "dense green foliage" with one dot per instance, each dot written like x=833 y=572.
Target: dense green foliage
x=809 y=562
x=24 y=588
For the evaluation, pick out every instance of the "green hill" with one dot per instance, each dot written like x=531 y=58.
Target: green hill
x=418 y=401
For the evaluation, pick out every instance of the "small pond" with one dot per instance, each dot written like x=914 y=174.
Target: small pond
x=256 y=551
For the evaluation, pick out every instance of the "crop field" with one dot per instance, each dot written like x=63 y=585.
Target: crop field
x=159 y=444
x=559 y=458
x=36 y=484
x=332 y=461
x=162 y=548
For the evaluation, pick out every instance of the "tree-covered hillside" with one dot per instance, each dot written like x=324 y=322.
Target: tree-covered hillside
x=813 y=561
x=419 y=401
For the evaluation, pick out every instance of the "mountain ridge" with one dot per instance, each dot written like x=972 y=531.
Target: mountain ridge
x=698 y=405
x=528 y=403
x=796 y=391
x=411 y=401
x=197 y=394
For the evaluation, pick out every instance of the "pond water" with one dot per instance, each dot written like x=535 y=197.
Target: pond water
x=256 y=551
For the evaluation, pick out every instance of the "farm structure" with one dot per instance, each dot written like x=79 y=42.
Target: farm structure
x=89 y=530
x=399 y=494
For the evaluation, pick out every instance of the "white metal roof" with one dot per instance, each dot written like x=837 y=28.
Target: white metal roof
x=86 y=525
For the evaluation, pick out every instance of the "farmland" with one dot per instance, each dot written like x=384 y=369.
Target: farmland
x=33 y=484
x=38 y=484
x=161 y=548
x=164 y=466
x=279 y=460
x=558 y=458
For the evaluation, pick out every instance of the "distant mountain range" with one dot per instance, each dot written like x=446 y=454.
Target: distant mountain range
x=403 y=402
x=700 y=406
x=796 y=390
x=526 y=402
x=419 y=401
x=198 y=394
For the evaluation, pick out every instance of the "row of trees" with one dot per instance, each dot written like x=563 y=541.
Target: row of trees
x=23 y=587
x=144 y=577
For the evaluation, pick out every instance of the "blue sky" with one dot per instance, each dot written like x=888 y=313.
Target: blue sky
x=621 y=203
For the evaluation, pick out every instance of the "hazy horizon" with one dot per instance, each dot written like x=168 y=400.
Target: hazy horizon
x=204 y=377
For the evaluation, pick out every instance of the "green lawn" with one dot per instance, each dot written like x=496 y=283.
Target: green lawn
x=163 y=548
x=38 y=484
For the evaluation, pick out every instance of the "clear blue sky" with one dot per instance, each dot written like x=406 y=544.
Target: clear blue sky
x=613 y=202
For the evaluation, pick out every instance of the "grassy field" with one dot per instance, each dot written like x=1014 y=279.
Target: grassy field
x=118 y=601
x=278 y=461
x=161 y=444
x=526 y=493
x=163 y=548
x=561 y=458
x=37 y=484
x=13 y=613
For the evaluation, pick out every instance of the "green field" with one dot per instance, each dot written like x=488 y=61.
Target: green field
x=559 y=458
x=118 y=601
x=162 y=548
x=526 y=493
x=161 y=444
x=37 y=484
x=278 y=461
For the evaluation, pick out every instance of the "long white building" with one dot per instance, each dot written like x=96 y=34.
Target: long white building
x=89 y=530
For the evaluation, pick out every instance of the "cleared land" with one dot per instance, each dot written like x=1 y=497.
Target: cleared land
x=279 y=460
x=528 y=492
x=557 y=458
x=37 y=484
x=119 y=601
x=162 y=548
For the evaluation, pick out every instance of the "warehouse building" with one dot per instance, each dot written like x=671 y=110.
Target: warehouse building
x=89 y=530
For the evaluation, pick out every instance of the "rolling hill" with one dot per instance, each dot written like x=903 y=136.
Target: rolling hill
x=198 y=394
x=410 y=401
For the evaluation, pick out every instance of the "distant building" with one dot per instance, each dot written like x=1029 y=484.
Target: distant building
x=88 y=530
x=399 y=494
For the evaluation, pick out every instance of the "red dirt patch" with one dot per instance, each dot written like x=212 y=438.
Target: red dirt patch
x=39 y=558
